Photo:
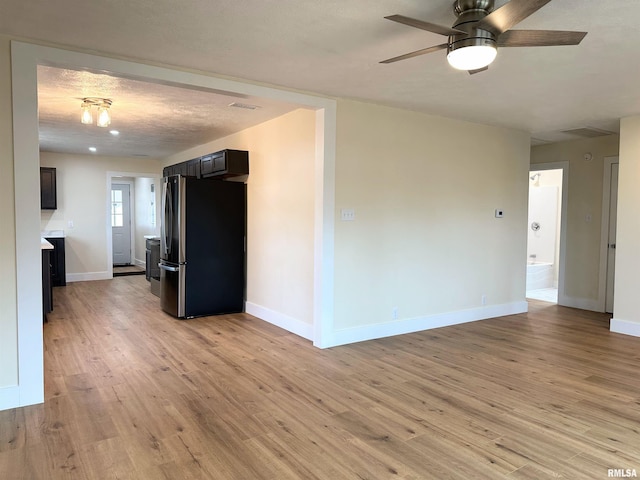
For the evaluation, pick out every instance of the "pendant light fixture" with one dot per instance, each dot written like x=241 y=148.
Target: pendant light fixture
x=102 y=104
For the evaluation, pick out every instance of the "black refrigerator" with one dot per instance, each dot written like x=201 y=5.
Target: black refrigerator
x=202 y=246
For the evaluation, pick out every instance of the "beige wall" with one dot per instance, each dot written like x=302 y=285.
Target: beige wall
x=8 y=315
x=582 y=262
x=425 y=239
x=280 y=219
x=82 y=190
x=142 y=208
x=627 y=280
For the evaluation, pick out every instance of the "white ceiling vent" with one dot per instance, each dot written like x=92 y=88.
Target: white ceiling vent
x=246 y=106
x=587 y=132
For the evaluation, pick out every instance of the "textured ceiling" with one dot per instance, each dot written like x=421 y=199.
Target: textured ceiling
x=153 y=120
x=333 y=48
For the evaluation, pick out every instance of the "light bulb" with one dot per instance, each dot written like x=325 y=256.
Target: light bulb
x=473 y=57
x=104 y=118
x=85 y=116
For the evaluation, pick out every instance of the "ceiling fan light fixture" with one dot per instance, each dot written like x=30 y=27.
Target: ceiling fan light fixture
x=472 y=57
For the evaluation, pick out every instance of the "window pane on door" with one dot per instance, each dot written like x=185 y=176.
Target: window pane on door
x=117 y=216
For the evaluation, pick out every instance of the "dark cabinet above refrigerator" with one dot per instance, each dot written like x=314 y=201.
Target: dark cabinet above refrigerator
x=223 y=164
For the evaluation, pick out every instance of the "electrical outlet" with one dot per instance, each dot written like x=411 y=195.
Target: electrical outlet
x=70 y=223
x=394 y=313
x=484 y=299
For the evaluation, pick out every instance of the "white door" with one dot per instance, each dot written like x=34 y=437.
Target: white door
x=121 y=223
x=611 y=250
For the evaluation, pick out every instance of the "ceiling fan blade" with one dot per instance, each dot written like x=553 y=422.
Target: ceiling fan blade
x=473 y=72
x=539 y=38
x=416 y=53
x=508 y=15
x=429 y=27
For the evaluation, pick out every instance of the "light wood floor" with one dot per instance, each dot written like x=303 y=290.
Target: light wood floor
x=133 y=393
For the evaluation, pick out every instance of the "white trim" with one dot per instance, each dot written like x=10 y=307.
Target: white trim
x=625 y=327
x=128 y=180
x=140 y=263
x=564 y=166
x=410 y=325
x=293 y=325
x=26 y=163
x=9 y=397
x=604 y=232
x=89 y=276
x=24 y=61
x=324 y=225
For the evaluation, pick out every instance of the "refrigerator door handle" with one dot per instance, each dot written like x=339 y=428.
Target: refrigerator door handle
x=168 y=268
x=167 y=210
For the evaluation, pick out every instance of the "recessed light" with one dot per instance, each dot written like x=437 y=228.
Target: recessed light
x=93 y=149
x=114 y=132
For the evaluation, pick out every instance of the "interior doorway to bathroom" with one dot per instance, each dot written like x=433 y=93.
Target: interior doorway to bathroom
x=545 y=227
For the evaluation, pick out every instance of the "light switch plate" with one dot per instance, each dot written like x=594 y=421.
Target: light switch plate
x=347 y=214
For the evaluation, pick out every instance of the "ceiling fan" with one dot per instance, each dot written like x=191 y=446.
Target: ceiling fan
x=479 y=30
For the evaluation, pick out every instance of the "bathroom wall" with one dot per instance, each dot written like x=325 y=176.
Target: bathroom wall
x=545 y=208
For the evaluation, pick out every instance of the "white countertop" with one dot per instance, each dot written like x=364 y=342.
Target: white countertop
x=44 y=245
x=52 y=234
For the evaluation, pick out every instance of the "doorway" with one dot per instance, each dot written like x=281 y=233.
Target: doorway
x=545 y=228
x=609 y=228
x=121 y=223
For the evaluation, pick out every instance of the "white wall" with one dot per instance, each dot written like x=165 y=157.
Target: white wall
x=582 y=280
x=82 y=193
x=8 y=311
x=627 y=280
x=145 y=205
x=280 y=217
x=548 y=179
x=425 y=239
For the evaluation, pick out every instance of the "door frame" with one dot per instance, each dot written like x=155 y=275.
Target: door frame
x=604 y=232
x=115 y=177
x=564 y=166
x=128 y=180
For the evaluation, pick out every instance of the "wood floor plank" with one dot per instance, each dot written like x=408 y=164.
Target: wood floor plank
x=131 y=392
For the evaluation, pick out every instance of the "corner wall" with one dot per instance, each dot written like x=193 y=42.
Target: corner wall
x=425 y=249
x=627 y=281
x=82 y=192
x=8 y=306
x=280 y=217
x=584 y=214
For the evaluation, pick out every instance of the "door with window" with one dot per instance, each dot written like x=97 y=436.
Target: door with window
x=121 y=223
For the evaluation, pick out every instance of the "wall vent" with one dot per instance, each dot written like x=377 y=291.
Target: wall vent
x=587 y=132
x=246 y=106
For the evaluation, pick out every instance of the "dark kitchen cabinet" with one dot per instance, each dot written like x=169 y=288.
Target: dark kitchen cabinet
x=47 y=291
x=223 y=164
x=58 y=269
x=48 y=189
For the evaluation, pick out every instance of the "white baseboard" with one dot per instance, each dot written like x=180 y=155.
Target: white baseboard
x=290 y=324
x=140 y=263
x=581 y=303
x=88 y=276
x=625 y=327
x=410 y=325
x=9 y=397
